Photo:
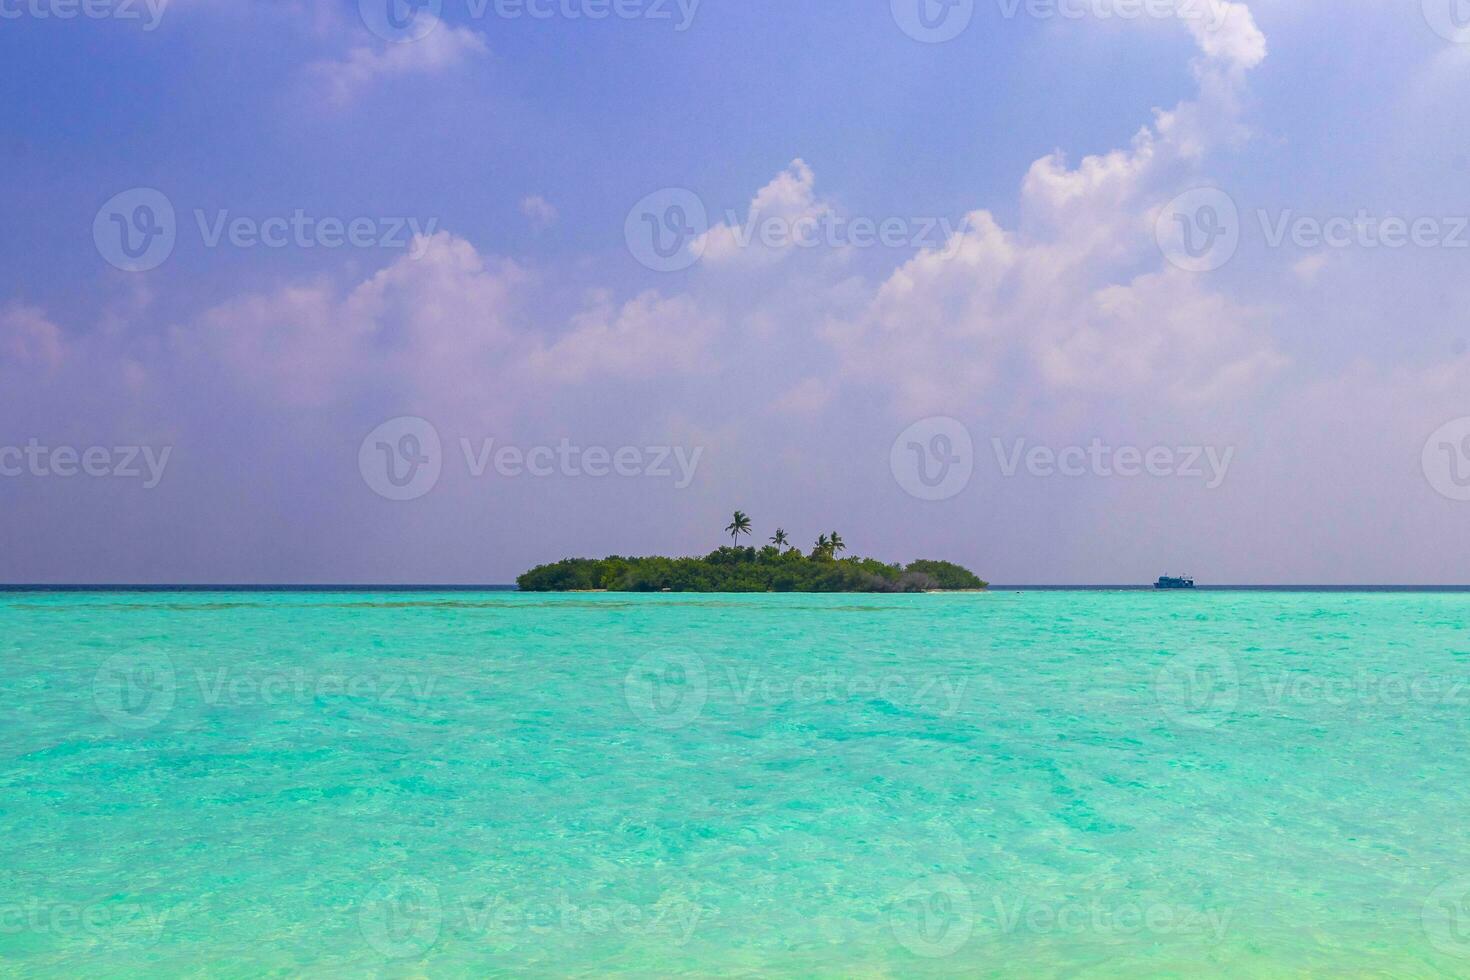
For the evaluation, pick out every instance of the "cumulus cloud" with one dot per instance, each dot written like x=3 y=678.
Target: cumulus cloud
x=1058 y=302
x=1050 y=300
x=1309 y=268
x=441 y=49
x=28 y=339
x=1227 y=34
x=807 y=397
x=447 y=330
x=646 y=337
x=795 y=374
x=788 y=206
x=541 y=213
x=1161 y=333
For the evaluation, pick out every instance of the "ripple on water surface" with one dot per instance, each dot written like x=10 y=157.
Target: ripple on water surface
x=1036 y=784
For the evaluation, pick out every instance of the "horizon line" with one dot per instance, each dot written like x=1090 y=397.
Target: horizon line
x=511 y=587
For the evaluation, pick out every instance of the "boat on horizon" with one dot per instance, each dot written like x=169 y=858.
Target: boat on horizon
x=1175 y=582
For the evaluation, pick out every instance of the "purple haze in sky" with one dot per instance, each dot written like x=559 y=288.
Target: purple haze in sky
x=387 y=292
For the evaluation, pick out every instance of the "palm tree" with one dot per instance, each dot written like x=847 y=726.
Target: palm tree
x=823 y=548
x=780 y=538
x=836 y=543
x=738 y=526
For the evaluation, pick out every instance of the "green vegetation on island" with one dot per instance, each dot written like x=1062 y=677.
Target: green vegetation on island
x=735 y=568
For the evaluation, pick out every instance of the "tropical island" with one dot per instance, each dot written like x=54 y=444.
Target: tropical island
x=775 y=567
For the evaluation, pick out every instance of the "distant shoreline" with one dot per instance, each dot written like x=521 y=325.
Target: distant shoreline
x=735 y=569
x=73 y=587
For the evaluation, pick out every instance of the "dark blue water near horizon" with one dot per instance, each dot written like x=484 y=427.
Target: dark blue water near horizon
x=496 y=587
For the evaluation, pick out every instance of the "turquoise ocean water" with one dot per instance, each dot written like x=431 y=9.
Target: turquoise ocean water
x=1047 y=784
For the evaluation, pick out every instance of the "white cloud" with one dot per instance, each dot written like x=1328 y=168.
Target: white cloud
x=1162 y=333
x=442 y=49
x=1309 y=268
x=788 y=201
x=807 y=397
x=448 y=330
x=28 y=339
x=1226 y=32
x=541 y=212
x=646 y=337
x=1049 y=302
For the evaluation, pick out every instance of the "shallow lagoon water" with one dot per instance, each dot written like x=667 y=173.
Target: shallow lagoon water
x=1047 y=784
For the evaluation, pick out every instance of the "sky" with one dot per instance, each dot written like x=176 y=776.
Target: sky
x=432 y=291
